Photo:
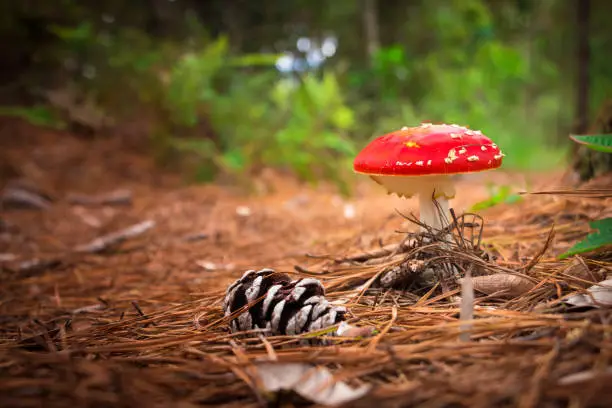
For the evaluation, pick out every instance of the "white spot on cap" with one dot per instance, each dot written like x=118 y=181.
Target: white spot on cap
x=462 y=150
x=498 y=156
x=456 y=136
x=493 y=145
x=401 y=163
x=483 y=148
x=448 y=160
x=429 y=162
x=478 y=132
x=469 y=132
x=473 y=158
x=419 y=163
x=405 y=128
x=426 y=125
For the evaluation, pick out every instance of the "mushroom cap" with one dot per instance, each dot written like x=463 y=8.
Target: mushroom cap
x=427 y=150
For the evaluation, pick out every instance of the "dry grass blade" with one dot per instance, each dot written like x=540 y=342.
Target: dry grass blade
x=586 y=193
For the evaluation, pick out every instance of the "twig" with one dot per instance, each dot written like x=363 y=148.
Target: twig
x=467 y=304
x=138 y=309
x=19 y=198
x=117 y=197
x=541 y=252
x=106 y=241
x=387 y=250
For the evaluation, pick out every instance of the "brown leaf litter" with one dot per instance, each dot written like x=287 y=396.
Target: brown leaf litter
x=525 y=347
x=141 y=323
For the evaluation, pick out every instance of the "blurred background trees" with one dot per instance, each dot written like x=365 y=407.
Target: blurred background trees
x=231 y=86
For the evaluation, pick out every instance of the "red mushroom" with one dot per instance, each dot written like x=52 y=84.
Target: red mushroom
x=421 y=160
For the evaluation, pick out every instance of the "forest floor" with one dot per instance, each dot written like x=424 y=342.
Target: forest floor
x=146 y=326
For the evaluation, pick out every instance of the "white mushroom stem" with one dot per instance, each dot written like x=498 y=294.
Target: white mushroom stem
x=433 y=191
x=434 y=212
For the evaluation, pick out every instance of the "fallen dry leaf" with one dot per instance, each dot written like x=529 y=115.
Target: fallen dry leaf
x=584 y=376
x=502 y=284
x=314 y=383
x=598 y=295
x=578 y=269
x=347 y=330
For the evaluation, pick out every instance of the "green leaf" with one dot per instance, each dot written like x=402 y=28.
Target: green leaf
x=37 y=115
x=498 y=195
x=599 y=239
x=80 y=33
x=234 y=159
x=601 y=143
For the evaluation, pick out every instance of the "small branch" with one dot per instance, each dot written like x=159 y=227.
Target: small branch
x=105 y=242
x=117 y=197
x=466 y=312
x=541 y=252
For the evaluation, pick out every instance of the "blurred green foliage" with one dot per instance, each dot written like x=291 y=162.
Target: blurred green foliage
x=206 y=78
x=252 y=117
x=39 y=115
x=497 y=195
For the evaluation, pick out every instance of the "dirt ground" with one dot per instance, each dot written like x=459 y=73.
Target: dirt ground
x=164 y=287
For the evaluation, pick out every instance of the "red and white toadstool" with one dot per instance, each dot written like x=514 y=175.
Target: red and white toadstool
x=422 y=160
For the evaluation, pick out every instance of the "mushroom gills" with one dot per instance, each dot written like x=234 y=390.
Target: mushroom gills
x=433 y=191
x=408 y=186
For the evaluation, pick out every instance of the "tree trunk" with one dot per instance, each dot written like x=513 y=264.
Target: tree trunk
x=370 y=21
x=587 y=163
x=583 y=9
x=232 y=19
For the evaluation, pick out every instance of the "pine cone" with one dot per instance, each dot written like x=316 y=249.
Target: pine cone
x=289 y=307
x=402 y=274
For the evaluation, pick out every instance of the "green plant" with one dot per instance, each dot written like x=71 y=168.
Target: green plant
x=315 y=121
x=497 y=195
x=39 y=115
x=263 y=120
x=603 y=235
x=601 y=143
x=601 y=238
x=218 y=111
